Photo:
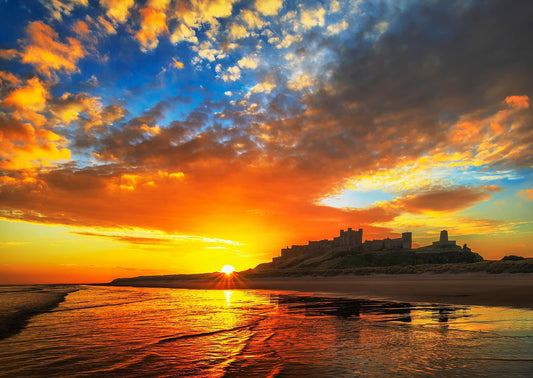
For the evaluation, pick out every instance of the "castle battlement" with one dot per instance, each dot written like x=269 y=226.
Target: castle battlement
x=349 y=241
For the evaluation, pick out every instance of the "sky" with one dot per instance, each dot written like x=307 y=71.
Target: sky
x=178 y=136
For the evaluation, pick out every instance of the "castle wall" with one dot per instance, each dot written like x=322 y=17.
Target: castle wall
x=349 y=240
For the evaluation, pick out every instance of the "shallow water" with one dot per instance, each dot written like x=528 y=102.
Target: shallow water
x=109 y=331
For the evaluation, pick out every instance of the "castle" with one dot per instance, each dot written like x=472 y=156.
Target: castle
x=445 y=245
x=351 y=241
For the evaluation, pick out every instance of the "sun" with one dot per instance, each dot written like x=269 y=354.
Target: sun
x=228 y=269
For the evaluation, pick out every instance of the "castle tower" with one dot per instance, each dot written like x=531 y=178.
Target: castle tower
x=443 y=237
x=407 y=240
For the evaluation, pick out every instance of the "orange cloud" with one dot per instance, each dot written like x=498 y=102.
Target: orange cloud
x=106 y=25
x=517 y=101
x=216 y=194
x=159 y=5
x=152 y=25
x=31 y=96
x=9 y=54
x=24 y=146
x=7 y=79
x=528 y=193
x=177 y=64
x=68 y=108
x=464 y=131
x=47 y=54
x=81 y=28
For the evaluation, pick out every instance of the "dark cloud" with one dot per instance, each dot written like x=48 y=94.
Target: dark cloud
x=435 y=63
x=447 y=200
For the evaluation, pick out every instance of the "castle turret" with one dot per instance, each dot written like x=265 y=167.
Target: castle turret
x=443 y=237
x=407 y=240
x=443 y=241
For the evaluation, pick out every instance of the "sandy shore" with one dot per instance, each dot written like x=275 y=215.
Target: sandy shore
x=512 y=290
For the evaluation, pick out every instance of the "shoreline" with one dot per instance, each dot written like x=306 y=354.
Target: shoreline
x=27 y=304
x=483 y=289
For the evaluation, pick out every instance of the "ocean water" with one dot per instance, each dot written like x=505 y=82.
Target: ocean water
x=146 y=332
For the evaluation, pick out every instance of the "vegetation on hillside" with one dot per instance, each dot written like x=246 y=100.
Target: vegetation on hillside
x=523 y=266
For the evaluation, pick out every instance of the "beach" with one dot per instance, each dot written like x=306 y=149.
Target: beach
x=510 y=290
x=123 y=331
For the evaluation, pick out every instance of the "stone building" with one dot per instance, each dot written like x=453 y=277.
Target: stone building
x=349 y=241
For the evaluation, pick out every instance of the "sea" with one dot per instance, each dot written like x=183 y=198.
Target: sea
x=99 y=331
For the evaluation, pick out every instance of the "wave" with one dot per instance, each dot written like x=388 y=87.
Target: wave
x=193 y=335
x=103 y=305
x=18 y=306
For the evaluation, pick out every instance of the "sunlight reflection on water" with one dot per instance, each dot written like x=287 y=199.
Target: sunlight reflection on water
x=168 y=332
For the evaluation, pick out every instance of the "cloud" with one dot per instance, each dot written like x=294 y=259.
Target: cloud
x=302 y=81
x=215 y=8
x=126 y=238
x=265 y=87
x=206 y=51
x=69 y=107
x=159 y=5
x=445 y=200
x=527 y=194
x=311 y=17
x=231 y=74
x=334 y=6
x=177 y=64
x=43 y=50
x=252 y=20
x=58 y=8
x=117 y=10
x=183 y=33
x=7 y=79
x=9 y=54
x=24 y=146
x=153 y=23
x=81 y=28
x=337 y=28
x=287 y=41
x=238 y=32
x=113 y=113
x=268 y=7
x=400 y=102
x=32 y=96
x=521 y=102
x=146 y=237
x=106 y=25
x=250 y=62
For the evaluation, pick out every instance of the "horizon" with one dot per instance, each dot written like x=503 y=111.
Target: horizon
x=176 y=137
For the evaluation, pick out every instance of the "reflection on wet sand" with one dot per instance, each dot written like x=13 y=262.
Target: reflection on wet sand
x=375 y=310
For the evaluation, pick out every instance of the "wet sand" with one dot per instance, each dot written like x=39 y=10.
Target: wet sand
x=511 y=290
